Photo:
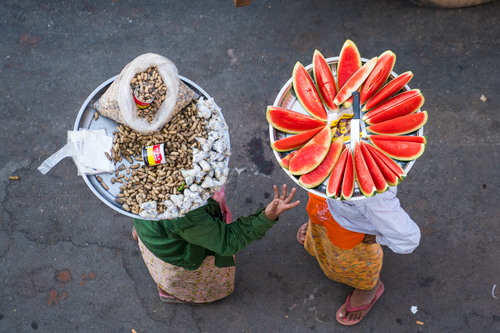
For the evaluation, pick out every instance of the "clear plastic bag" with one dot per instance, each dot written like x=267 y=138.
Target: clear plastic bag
x=117 y=102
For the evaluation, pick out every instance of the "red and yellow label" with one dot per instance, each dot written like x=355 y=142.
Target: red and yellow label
x=155 y=154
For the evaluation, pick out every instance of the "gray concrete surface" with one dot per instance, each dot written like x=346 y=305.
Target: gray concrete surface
x=68 y=262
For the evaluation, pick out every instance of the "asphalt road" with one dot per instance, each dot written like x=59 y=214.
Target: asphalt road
x=68 y=262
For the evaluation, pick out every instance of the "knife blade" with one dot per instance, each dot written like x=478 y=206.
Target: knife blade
x=355 y=120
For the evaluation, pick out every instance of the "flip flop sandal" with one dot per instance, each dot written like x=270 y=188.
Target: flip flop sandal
x=164 y=297
x=299 y=232
x=367 y=307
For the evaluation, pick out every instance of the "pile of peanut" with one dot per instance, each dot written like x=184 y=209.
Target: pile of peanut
x=141 y=183
x=150 y=85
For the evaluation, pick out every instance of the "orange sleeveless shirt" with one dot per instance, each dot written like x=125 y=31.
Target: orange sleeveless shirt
x=318 y=212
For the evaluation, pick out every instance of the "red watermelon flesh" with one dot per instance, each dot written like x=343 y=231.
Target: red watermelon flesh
x=378 y=76
x=325 y=81
x=349 y=62
x=285 y=161
x=389 y=176
x=363 y=177
x=388 y=90
x=294 y=142
x=312 y=154
x=306 y=93
x=393 y=166
x=377 y=176
x=401 y=125
x=318 y=175
x=355 y=81
x=400 y=150
x=348 y=180
x=394 y=101
x=406 y=107
x=335 y=181
x=289 y=121
x=407 y=138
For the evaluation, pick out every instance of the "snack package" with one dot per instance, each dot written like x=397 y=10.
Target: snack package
x=118 y=103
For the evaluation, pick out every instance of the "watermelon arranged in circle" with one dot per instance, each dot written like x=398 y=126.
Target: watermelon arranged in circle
x=407 y=138
x=347 y=189
x=349 y=62
x=363 y=177
x=377 y=176
x=398 y=106
x=334 y=183
x=323 y=76
x=390 y=177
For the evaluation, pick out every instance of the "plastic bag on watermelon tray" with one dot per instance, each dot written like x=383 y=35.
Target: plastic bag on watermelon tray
x=118 y=103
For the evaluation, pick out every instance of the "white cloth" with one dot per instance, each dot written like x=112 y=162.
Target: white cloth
x=380 y=215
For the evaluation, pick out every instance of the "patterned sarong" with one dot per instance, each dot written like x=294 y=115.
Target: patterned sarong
x=358 y=267
x=207 y=283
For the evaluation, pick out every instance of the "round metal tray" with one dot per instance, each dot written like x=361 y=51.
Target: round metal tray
x=286 y=99
x=85 y=120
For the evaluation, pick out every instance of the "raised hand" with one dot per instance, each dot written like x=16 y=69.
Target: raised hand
x=280 y=203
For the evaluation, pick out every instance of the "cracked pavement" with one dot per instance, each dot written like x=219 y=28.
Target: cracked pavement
x=68 y=262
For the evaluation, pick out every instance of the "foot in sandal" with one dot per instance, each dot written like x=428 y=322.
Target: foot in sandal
x=134 y=234
x=301 y=234
x=358 y=303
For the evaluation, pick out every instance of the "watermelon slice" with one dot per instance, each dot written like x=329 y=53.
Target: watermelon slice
x=289 y=121
x=335 y=180
x=318 y=175
x=378 y=76
x=348 y=181
x=389 y=176
x=394 y=101
x=393 y=166
x=407 y=138
x=406 y=107
x=377 y=176
x=312 y=154
x=285 y=161
x=325 y=81
x=400 y=150
x=294 y=142
x=306 y=93
x=349 y=62
x=355 y=81
x=400 y=125
x=388 y=90
x=363 y=177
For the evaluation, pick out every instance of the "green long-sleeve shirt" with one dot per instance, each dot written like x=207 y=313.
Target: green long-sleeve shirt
x=188 y=240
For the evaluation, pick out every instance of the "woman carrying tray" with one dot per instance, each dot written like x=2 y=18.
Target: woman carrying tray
x=346 y=238
x=191 y=258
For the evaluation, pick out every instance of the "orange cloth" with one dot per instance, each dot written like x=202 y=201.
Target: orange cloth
x=318 y=212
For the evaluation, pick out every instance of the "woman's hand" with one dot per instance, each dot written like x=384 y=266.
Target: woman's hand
x=369 y=239
x=280 y=203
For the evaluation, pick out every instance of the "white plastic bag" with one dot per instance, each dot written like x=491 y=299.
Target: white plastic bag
x=117 y=102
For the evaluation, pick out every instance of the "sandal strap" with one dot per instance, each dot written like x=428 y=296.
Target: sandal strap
x=358 y=308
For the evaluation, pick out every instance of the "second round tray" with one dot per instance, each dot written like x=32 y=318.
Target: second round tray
x=286 y=99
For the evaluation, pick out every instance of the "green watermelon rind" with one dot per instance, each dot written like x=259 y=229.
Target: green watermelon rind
x=391 y=102
x=355 y=82
x=319 y=112
x=407 y=138
x=375 y=172
x=393 y=166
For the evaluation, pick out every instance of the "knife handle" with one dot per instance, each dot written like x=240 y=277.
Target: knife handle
x=355 y=105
